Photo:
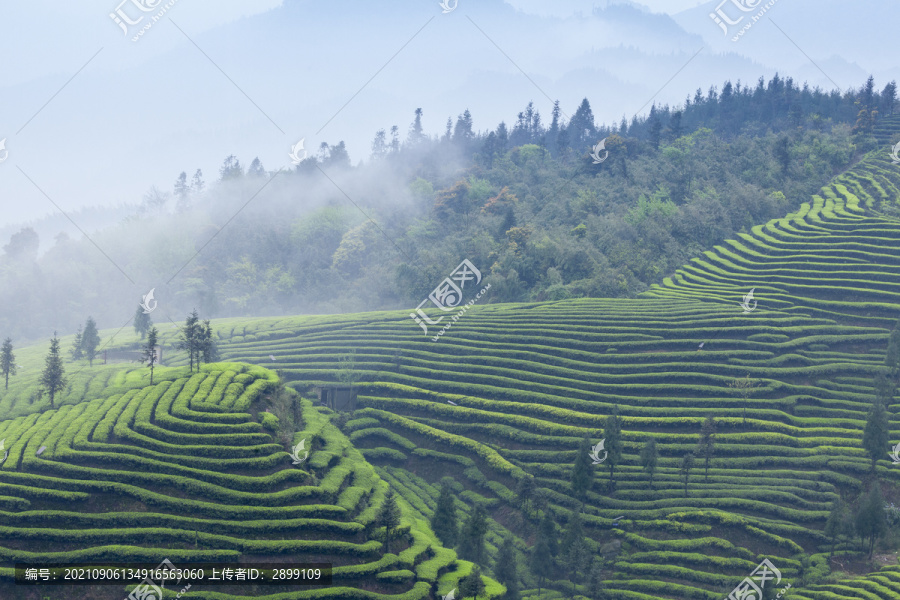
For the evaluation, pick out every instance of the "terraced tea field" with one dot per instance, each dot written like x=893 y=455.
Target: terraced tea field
x=186 y=467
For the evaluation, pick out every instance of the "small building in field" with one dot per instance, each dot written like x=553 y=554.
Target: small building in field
x=337 y=397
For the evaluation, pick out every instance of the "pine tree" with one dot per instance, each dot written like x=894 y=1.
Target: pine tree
x=256 y=168
x=547 y=530
x=707 y=443
x=582 y=472
x=53 y=378
x=595 y=587
x=525 y=493
x=443 y=521
x=142 y=322
x=90 y=340
x=687 y=464
x=573 y=531
x=190 y=337
x=471 y=544
x=206 y=348
x=541 y=563
x=506 y=569
x=612 y=433
x=182 y=195
x=649 y=458
x=197 y=185
x=415 y=130
x=871 y=520
x=389 y=518
x=148 y=352
x=77 y=351
x=7 y=361
x=839 y=523
x=875 y=435
x=472 y=584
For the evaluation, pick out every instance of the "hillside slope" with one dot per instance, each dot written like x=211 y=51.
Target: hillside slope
x=528 y=381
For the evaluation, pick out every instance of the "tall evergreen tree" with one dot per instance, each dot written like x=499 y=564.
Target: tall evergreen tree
x=547 y=530
x=685 y=468
x=389 y=518
x=506 y=570
x=416 y=134
x=90 y=340
x=148 y=351
x=189 y=338
x=839 y=523
x=541 y=561
x=595 y=588
x=197 y=184
x=612 y=433
x=7 y=361
x=876 y=433
x=525 y=494
x=871 y=520
x=582 y=472
x=889 y=98
x=443 y=521
x=142 y=322
x=53 y=377
x=707 y=443
x=471 y=543
x=182 y=194
x=77 y=351
x=207 y=348
x=649 y=458
x=472 y=585
x=256 y=168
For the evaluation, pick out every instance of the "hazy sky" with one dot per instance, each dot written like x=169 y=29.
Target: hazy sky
x=91 y=118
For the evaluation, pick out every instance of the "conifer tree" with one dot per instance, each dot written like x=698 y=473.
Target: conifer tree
x=875 y=435
x=506 y=570
x=707 y=443
x=443 y=521
x=687 y=464
x=471 y=543
x=541 y=562
x=148 y=352
x=90 y=340
x=142 y=322
x=7 y=361
x=871 y=520
x=839 y=523
x=612 y=433
x=472 y=585
x=582 y=472
x=389 y=518
x=649 y=458
x=190 y=337
x=53 y=377
x=77 y=351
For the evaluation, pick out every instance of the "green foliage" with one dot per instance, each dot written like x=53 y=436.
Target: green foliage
x=876 y=434
x=443 y=521
x=471 y=537
x=871 y=521
x=582 y=472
